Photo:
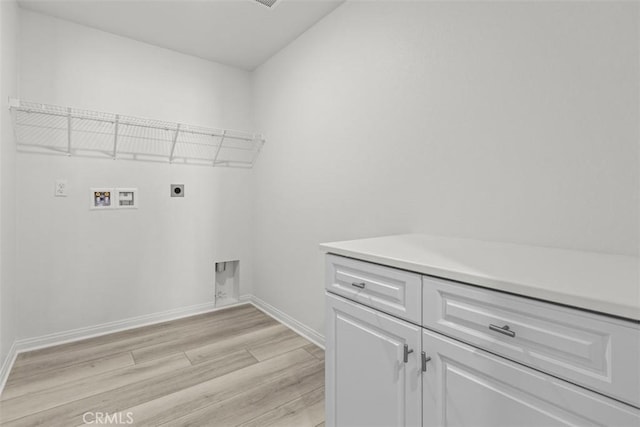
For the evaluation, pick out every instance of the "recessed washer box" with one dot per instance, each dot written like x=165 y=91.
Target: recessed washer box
x=114 y=198
x=101 y=198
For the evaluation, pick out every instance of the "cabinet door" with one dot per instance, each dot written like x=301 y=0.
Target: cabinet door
x=465 y=386
x=368 y=382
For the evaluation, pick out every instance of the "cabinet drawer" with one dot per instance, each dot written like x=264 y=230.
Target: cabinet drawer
x=393 y=291
x=464 y=386
x=595 y=351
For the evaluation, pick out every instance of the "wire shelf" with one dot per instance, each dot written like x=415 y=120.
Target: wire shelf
x=53 y=129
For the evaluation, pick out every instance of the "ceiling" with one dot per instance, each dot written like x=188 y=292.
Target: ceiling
x=241 y=33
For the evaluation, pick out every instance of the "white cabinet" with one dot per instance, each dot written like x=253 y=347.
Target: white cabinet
x=464 y=386
x=373 y=375
x=467 y=356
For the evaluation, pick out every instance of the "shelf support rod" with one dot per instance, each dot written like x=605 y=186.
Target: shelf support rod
x=215 y=159
x=115 y=136
x=173 y=145
x=259 y=143
x=69 y=131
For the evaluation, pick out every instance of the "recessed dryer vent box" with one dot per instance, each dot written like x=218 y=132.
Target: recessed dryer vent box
x=227 y=282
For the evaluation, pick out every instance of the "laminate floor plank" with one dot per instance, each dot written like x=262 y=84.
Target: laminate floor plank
x=305 y=411
x=135 y=393
x=32 y=384
x=197 y=337
x=73 y=391
x=182 y=403
x=315 y=351
x=278 y=346
x=257 y=400
x=66 y=357
x=185 y=322
x=248 y=340
x=226 y=367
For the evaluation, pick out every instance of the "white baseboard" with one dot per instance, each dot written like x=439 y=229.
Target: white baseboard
x=30 y=344
x=287 y=320
x=7 y=365
x=57 y=338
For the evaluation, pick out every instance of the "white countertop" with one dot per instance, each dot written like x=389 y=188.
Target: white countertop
x=594 y=281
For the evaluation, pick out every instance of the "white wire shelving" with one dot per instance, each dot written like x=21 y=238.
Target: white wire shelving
x=54 y=129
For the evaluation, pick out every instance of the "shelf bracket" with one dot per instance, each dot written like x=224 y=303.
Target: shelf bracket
x=257 y=152
x=173 y=145
x=115 y=136
x=215 y=159
x=68 y=131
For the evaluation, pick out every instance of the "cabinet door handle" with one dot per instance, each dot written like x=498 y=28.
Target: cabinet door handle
x=425 y=360
x=503 y=330
x=358 y=285
x=407 y=352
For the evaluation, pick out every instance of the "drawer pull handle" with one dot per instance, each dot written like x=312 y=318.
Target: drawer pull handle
x=503 y=330
x=358 y=284
x=425 y=360
x=407 y=352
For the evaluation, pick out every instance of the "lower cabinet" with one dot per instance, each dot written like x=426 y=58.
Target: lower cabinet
x=385 y=371
x=465 y=386
x=373 y=375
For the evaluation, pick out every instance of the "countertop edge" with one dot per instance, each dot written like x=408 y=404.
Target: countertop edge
x=628 y=313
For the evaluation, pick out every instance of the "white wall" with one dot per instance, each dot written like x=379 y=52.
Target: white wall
x=507 y=121
x=503 y=121
x=79 y=267
x=8 y=87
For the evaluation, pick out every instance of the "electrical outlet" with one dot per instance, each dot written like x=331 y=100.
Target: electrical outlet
x=61 y=188
x=177 y=190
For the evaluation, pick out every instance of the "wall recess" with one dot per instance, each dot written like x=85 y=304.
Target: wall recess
x=101 y=198
x=114 y=198
x=227 y=282
x=126 y=198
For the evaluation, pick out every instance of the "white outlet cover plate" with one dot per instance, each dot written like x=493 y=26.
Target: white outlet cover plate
x=61 y=188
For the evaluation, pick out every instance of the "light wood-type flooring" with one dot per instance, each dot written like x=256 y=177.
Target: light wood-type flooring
x=232 y=367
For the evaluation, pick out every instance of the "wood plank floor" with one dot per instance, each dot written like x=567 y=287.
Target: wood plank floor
x=232 y=367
